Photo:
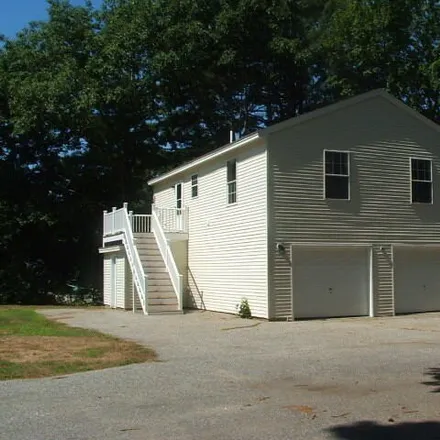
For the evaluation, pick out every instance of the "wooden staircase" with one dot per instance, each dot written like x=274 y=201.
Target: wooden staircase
x=161 y=296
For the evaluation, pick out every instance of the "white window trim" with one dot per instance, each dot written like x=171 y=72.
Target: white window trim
x=228 y=182
x=324 y=174
x=426 y=181
x=196 y=185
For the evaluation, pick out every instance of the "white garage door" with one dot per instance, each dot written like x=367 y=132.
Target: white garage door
x=416 y=279
x=330 y=282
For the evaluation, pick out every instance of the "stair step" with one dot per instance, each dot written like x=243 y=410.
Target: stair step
x=162 y=294
x=151 y=270
x=162 y=302
x=152 y=282
x=150 y=257
x=160 y=288
x=163 y=310
x=148 y=250
x=145 y=242
x=153 y=263
x=156 y=276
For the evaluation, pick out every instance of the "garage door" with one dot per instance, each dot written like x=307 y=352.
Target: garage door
x=416 y=279
x=330 y=282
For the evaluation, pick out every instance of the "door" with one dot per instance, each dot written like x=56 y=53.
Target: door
x=330 y=282
x=113 y=283
x=416 y=279
x=179 y=206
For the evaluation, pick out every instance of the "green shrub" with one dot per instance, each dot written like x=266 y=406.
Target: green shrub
x=244 y=311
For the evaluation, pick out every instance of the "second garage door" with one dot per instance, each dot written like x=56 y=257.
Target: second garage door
x=416 y=279
x=330 y=282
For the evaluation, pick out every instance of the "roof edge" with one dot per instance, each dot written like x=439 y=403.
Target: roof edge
x=205 y=158
x=327 y=109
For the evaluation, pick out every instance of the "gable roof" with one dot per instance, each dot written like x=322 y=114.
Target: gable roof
x=288 y=123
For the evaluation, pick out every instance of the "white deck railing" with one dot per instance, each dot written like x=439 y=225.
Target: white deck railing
x=167 y=255
x=172 y=219
x=117 y=225
x=141 y=223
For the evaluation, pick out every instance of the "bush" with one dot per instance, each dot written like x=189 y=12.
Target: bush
x=244 y=311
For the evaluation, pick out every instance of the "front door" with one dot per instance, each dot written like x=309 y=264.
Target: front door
x=179 y=206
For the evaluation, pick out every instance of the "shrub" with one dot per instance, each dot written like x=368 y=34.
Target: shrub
x=244 y=311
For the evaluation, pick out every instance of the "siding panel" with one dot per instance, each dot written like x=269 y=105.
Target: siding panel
x=381 y=137
x=227 y=247
x=120 y=281
x=107 y=268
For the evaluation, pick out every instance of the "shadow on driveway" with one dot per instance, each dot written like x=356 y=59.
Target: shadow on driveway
x=434 y=373
x=398 y=431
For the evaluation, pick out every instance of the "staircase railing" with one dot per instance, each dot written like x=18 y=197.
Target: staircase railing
x=118 y=223
x=141 y=223
x=168 y=258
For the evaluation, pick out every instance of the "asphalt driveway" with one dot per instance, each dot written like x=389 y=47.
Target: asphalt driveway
x=220 y=377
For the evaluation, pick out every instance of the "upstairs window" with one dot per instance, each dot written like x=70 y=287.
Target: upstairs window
x=337 y=175
x=194 y=185
x=178 y=194
x=232 y=180
x=421 y=181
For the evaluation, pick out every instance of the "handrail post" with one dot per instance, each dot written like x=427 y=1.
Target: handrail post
x=113 y=219
x=103 y=226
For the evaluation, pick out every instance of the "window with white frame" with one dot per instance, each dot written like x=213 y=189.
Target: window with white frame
x=194 y=185
x=336 y=175
x=178 y=194
x=232 y=180
x=421 y=180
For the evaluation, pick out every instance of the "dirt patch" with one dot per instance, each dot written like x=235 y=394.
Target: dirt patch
x=24 y=349
x=61 y=317
x=304 y=409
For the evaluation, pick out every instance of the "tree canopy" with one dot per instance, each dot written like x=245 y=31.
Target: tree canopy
x=93 y=102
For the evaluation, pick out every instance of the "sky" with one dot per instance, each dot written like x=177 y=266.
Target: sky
x=16 y=14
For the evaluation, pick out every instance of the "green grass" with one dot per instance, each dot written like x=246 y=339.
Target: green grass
x=33 y=346
x=27 y=322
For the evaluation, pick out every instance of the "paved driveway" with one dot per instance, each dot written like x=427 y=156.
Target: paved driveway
x=353 y=379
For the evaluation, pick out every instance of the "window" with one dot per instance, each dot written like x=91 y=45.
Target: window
x=337 y=175
x=194 y=185
x=232 y=180
x=178 y=191
x=421 y=181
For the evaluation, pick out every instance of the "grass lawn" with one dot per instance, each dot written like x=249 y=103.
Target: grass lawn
x=33 y=346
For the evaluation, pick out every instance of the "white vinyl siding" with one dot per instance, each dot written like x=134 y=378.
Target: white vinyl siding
x=120 y=281
x=381 y=137
x=107 y=284
x=227 y=247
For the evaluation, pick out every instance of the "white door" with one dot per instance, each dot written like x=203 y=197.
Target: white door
x=330 y=282
x=113 y=283
x=416 y=279
x=179 y=206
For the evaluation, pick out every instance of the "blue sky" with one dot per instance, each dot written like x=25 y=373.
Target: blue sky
x=16 y=14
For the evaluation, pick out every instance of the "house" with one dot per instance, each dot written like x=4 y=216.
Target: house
x=333 y=213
